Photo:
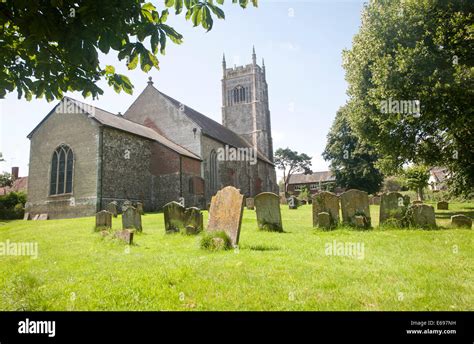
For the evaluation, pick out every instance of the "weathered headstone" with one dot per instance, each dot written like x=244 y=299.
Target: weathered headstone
x=103 y=219
x=461 y=221
x=36 y=217
x=422 y=215
x=112 y=208
x=292 y=202
x=193 y=220
x=250 y=203
x=131 y=218
x=326 y=202
x=26 y=216
x=174 y=217
x=43 y=217
x=226 y=213
x=267 y=206
x=442 y=205
x=355 y=203
x=392 y=206
x=140 y=208
x=324 y=220
x=125 y=235
x=125 y=205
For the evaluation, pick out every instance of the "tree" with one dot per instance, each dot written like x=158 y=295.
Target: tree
x=291 y=162
x=6 y=179
x=417 y=179
x=50 y=47
x=410 y=74
x=351 y=160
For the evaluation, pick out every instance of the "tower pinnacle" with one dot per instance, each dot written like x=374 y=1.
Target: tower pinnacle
x=254 y=56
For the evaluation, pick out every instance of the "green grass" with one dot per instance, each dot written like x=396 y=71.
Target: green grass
x=76 y=269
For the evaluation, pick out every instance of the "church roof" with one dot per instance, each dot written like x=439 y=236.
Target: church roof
x=118 y=122
x=214 y=129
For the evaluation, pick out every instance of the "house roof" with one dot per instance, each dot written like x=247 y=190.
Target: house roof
x=439 y=173
x=214 y=129
x=316 y=177
x=20 y=184
x=118 y=122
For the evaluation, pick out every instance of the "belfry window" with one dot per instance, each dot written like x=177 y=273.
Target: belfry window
x=62 y=166
x=240 y=94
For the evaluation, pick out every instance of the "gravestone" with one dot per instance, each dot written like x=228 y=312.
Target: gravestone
x=193 y=220
x=103 y=220
x=360 y=221
x=326 y=202
x=43 y=217
x=324 y=220
x=292 y=202
x=131 y=219
x=267 y=206
x=355 y=203
x=461 y=221
x=422 y=215
x=226 y=213
x=26 y=216
x=442 y=205
x=125 y=235
x=140 y=208
x=250 y=203
x=392 y=206
x=125 y=205
x=112 y=208
x=36 y=217
x=174 y=217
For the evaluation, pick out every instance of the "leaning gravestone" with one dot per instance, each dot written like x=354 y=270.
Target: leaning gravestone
x=355 y=203
x=267 y=206
x=125 y=235
x=174 y=217
x=461 y=221
x=103 y=220
x=250 y=203
x=112 y=208
x=442 y=205
x=226 y=213
x=422 y=215
x=140 y=208
x=131 y=218
x=292 y=202
x=26 y=216
x=36 y=217
x=392 y=206
x=326 y=202
x=193 y=220
x=43 y=217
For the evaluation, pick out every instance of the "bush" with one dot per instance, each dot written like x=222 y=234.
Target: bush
x=216 y=241
x=12 y=205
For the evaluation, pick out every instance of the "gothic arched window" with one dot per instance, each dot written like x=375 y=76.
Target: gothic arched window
x=213 y=172
x=240 y=94
x=62 y=166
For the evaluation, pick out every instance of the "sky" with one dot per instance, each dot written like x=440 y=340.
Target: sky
x=301 y=42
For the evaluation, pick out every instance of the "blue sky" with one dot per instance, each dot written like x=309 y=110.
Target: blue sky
x=301 y=42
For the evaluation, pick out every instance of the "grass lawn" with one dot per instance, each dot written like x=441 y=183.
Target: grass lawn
x=76 y=269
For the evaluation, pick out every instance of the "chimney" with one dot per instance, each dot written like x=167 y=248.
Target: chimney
x=15 y=171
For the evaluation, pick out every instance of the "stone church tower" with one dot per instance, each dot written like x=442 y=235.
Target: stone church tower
x=245 y=107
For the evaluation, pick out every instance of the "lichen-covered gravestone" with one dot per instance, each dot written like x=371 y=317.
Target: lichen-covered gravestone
x=392 y=207
x=193 y=220
x=326 y=202
x=103 y=220
x=112 y=208
x=422 y=215
x=355 y=203
x=226 y=213
x=267 y=206
x=461 y=221
x=442 y=205
x=250 y=203
x=131 y=219
x=174 y=217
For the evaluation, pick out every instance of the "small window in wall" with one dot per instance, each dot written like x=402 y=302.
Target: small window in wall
x=62 y=169
x=298 y=187
x=313 y=187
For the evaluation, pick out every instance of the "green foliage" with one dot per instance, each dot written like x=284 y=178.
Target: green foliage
x=12 y=205
x=416 y=51
x=58 y=51
x=394 y=183
x=352 y=160
x=6 y=179
x=216 y=241
x=416 y=179
x=291 y=162
x=304 y=194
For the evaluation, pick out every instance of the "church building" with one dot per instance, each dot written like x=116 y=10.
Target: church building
x=158 y=151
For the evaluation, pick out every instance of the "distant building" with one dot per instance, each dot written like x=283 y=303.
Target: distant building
x=19 y=183
x=438 y=178
x=318 y=181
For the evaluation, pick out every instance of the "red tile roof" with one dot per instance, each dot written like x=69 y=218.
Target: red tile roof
x=19 y=184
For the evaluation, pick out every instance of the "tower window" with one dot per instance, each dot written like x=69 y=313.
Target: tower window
x=239 y=95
